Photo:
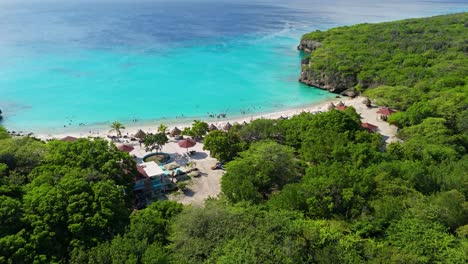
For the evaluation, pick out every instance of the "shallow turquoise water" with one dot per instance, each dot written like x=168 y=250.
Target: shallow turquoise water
x=240 y=76
x=72 y=64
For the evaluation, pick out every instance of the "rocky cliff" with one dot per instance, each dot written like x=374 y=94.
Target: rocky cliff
x=308 y=45
x=335 y=83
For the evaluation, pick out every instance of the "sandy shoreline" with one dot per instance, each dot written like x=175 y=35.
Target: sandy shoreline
x=368 y=115
x=151 y=127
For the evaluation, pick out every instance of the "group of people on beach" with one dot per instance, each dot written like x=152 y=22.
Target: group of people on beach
x=213 y=115
x=79 y=124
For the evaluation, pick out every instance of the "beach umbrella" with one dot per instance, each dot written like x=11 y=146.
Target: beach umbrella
x=212 y=127
x=227 y=126
x=140 y=134
x=175 y=132
x=69 y=139
x=126 y=148
x=331 y=106
x=187 y=143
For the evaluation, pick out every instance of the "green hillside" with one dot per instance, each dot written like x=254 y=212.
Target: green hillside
x=429 y=53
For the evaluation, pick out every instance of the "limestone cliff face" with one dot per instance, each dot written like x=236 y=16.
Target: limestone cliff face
x=308 y=45
x=335 y=83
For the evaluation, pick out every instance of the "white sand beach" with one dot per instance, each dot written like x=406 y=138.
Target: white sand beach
x=368 y=114
x=132 y=128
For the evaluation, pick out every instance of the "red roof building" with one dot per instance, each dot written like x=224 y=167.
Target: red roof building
x=340 y=107
x=385 y=111
x=142 y=171
x=370 y=127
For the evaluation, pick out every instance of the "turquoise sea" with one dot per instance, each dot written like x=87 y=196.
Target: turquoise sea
x=68 y=63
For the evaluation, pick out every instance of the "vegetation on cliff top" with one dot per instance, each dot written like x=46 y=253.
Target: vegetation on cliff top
x=418 y=66
x=429 y=53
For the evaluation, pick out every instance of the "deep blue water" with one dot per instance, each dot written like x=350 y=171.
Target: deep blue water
x=92 y=62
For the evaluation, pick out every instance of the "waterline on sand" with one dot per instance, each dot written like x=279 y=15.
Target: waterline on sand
x=102 y=129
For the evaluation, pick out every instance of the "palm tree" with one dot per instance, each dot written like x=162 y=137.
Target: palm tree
x=162 y=128
x=117 y=126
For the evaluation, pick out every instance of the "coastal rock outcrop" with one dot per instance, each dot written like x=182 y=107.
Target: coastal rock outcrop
x=308 y=45
x=335 y=83
x=350 y=93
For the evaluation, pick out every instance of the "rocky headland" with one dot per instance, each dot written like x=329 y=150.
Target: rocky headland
x=335 y=83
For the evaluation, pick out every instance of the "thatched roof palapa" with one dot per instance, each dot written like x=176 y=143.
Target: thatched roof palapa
x=175 y=132
x=140 y=134
x=212 y=127
x=227 y=126
x=69 y=139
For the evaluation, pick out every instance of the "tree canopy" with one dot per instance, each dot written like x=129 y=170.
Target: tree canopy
x=424 y=53
x=266 y=166
x=155 y=141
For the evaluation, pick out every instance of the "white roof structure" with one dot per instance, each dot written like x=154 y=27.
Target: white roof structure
x=152 y=169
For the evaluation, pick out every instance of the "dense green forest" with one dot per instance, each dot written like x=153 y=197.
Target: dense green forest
x=426 y=53
x=315 y=188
